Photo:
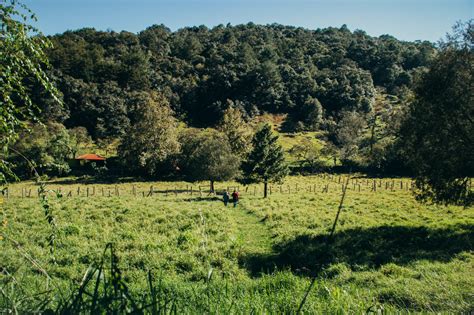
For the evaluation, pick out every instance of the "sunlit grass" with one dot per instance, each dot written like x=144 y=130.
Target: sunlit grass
x=388 y=249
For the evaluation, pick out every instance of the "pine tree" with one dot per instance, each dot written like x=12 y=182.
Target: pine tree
x=266 y=161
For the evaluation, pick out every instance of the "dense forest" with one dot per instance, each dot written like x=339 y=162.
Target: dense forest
x=352 y=87
x=311 y=75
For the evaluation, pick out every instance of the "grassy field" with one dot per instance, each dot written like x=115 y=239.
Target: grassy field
x=389 y=252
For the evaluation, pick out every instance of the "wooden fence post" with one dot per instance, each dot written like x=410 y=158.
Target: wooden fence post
x=151 y=191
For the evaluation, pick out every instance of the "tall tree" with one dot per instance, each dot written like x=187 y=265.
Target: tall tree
x=153 y=139
x=347 y=135
x=207 y=155
x=236 y=130
x=438 y=133
x=266 y=161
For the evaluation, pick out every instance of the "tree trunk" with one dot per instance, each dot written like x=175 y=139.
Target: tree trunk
x=211 y=188
x=372 y=137
x=265 y=188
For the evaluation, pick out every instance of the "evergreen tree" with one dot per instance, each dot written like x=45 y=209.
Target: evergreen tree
x=266 y=162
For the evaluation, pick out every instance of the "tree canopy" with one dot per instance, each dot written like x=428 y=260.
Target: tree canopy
x=207 y=155
x=152 y=138
x=308 y=74
x=438 y=133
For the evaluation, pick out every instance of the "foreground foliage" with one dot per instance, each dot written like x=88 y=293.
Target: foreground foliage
x=22 y=65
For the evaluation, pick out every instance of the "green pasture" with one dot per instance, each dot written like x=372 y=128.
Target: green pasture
x=389 y=252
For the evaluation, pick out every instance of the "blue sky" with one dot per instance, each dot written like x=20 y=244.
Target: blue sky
x=404 y=19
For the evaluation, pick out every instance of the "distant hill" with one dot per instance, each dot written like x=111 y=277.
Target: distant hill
x=308 y=74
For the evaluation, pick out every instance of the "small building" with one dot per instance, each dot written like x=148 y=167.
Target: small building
x=91 y=157
x=87 y=163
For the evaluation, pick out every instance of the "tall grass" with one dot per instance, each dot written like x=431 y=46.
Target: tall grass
x=182 y=253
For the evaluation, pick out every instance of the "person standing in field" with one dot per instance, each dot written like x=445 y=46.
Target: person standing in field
x=225 y=197
x=235 y=198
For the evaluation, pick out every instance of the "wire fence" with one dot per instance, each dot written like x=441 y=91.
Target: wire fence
x=325 y=183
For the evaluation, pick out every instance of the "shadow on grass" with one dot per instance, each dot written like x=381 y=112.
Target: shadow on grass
x=371 y=247
x=204 y=198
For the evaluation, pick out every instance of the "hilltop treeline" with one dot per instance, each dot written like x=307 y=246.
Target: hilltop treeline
x=350 y=87
x=309 y=74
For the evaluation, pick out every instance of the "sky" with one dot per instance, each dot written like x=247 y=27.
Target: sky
x=405 y=19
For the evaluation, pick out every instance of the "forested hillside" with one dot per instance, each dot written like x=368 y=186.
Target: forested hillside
x=309 y=74
x=348 y=87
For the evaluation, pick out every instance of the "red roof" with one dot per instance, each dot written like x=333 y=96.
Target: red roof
x=91 y=157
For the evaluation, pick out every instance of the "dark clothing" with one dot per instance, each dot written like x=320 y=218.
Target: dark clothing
x=225 y=198
x=235 y=198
